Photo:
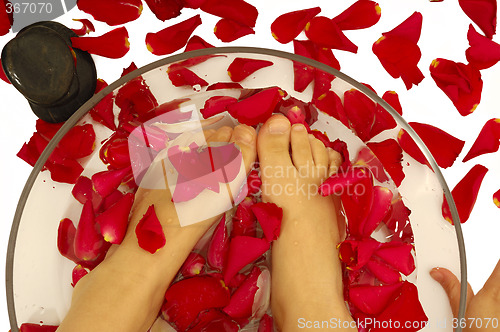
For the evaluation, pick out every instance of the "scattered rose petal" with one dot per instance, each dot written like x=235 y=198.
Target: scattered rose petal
x=245 y=111
x=331 y=104
x=218 y=247
x=360 y=15
x=106 y=182
x=360 y=111
x=356 y=253
x=182 y=76
x=235 y=10
x=288 y=26
x=269 y=216
x=390 y=154
x=86 y=28
x=78 y=273
x=66 y=238
x=243 y=250
x=241 y=68
x=216 y=105
x=228 y=30
x=113 y=221
x=322 y=83
x=194 y=265
x=63 y=170
x=185 y=299
x=78 y=142
x=496 y=198
x=31 y=151
x=372 y=299
x=483 y=13
x=487 y=141
x=115 y=152
x=112 y=12
x=113 y=44
x=381 y=204
x=382 y=271
x=83 y=191
x=172 y=38
x=303 y=74
x=88 y=243
x=240 y=304
x=465 y=194
x=5 y=20
x=134 y=99
x=196 y=43
x=129 y=69
x=461 y=83
x=103 y=111
x=483 y=52
x=392 y=98
x=150 y=232
x=165 y=9
x=322 y=31
x=244 y=221
x=398 y=255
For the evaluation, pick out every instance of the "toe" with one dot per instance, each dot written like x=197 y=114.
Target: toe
x=245 y=138
x=273 y=142
x=301 y=149
x=335 y=160
x=319 y=152
x=223 y=134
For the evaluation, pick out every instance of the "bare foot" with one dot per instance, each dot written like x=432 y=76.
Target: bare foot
x=307 y=281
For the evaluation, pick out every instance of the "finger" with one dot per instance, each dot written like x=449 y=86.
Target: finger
x=451 y=286
x=492 y=285
x=208 y=133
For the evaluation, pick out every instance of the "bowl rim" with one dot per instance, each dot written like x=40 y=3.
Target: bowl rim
x=96 y=98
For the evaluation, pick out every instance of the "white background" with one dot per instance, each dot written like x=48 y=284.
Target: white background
x=443 y=35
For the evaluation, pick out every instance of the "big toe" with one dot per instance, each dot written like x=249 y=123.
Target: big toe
x=245 y=138
x=273 y=142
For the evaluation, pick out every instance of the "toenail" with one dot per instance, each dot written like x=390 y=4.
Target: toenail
x=245 y=135
x=279 y=125
x=299 y=127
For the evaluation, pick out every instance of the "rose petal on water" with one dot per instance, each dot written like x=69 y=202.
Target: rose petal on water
x=149 y=232
x=78 y=273
x=218 y=247
x=390 y=154
x=245 y=111
x=241 y=302
x=398 y=255
x=182 y=76
x=241 y=68
x=243 y=250
x=106 y=182
x=89 y=242
x=78 y=142
x=372 y=299
x=113 y=221
x=103 y=111
x=194 y=265
x=269 y=216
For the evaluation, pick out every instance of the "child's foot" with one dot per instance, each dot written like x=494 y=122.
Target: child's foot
x=307 y=282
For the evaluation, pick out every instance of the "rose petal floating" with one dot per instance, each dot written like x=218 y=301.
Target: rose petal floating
x=243 y=250
x=366 y=158
x=182 y=76
x=113 y=221
x=496 y=198
x=360 y=15
x=106 y=182
x=112 y=12
x=266 y=324
x=103 y=111
x=194 y=265
x=165 y=9
x=115 y=152
x=344 y=182
x=78 y=142
x=224 y=85
x=31 y=151
x=331 y=104
x=5 y=20
x=218 y=247
x=298 y=111
x=390 y=154
x=213 y=320
x=254 y=182
x=245 y=111
x=360 y=111
x=372 y=299
x=83 y=191
x=303 y=74
x=241 y=68
x=244 y=221
x=134 y=99
x=78 y=273
x=89 y=242
x=186 y=298
x=86 y=28
x=404 y=309
x=322 y=31
x=28 y=327
x=172 y=38
x=269 y=216
x=288 y=26
x=196 y=43
x=397 y=220
x=216 y=105
x=66 y=238
x=383 y=271
x=398 y=255
x=240 y=304
x=228 y=30
x=356 y=253
x=461 y=83
x=149 y=232
x=487 y=141
x=381 y=204
x=235 y=10
x=483 y=52
x=63 y=170
x=113 y=44
x=465 y=194
x=483 y=13
x=322 y=83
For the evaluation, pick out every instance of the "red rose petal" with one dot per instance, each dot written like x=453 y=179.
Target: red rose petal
x=382 y=271
x=322 y=31
x=372 y=299
x=78 y=142
x=3 y=77
x=390 y=155
x=366 y=158
x=106 y=182
x=78 y=273
x=150 y=232
x=224 y=85
x=172 y=38
x=322 y=83
x=5 y=20
x=213 y=320
x=356 y=253
x=465 y=194
x=129 y=69
x=66 y=238
x=113 y=44
x=266 y=324
x=218 y=247
x=46 y=129
x=483 y=13
x=165 y=9
x=182 y=76
x=360 y=111
x=134 y=98
x=196 y=43
x=245 y=112
x=186 y=298
x=487 y=141
x=298 y=111
x=228 y=30
x=194 y=4
x=243 y=250
x=381 y=203
x=88 y=240
x=235 y=10
x=103 y=111
x=31 y=151
x=63 y=170
x=483 y=52
x=86 y=28
x=254 y=182
x=360 y=15
x=405 y=309
x=194 y=265
x=496 y=198
x=409 y=29
x=269 y=216
x=241 y=68
x=303 y=75
x=115 y=152
x=113 y=12
x=331 y=104
x=244 y=220
x=83 y=191
x=409 y=146
x=288 y=26
x=398 y=255
x=341 y=182
x=240 y=305
x=28 y=327
x=113 y=221
x=325 y=55
x=461 y=83
x=397 y=220
x=216 y=105
x=392 y=98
